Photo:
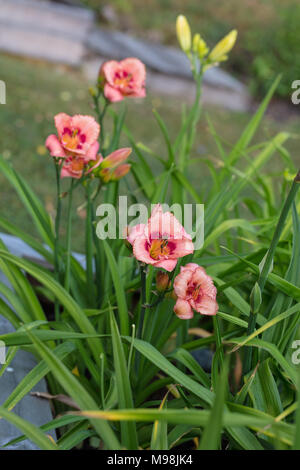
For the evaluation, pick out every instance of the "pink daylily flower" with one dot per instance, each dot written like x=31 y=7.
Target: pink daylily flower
x=195 y=290
x=76 y=167
x=77 y=135
x=76 y=143
x=161 y=241
x=122 y=79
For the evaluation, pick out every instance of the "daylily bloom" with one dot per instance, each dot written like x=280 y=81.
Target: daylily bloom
x=122 y=79
x=77 y=135
x=195 y=290
x=76 y=143
x=161 y=241
x=76 y=167
x=112 y=167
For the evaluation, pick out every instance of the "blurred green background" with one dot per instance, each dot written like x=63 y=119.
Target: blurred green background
x=268 y=44
x=269 y=32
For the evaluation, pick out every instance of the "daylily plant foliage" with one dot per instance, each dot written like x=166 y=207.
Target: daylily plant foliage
x=150 y=341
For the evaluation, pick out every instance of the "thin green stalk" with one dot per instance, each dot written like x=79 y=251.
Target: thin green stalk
x=196 y=114
x=57 y=228
x=131 y=348
x=142 y=315
x=102 y=381
x=190 y=122
x=97 y=257
x=101 y=120
x=100 y=114
x=218 y=340
x=89 y=246
x=143 y=301
x=69 y=233
x=268 y=262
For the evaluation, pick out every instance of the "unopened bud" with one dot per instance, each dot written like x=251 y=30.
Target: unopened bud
x=255 y=299
x=92 y=91
x=220 y=51
x=162 y=281
x=121 y=171
x=199 y=46
x=183 y=33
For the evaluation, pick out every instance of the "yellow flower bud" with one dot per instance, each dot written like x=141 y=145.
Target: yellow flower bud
x=220 y=51
x=196 y=40
x=92 y=91
x=183 y=33
x=200 y=46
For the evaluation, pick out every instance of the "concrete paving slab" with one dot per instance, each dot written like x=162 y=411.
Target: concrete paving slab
x=33 y=409
x=44 y=30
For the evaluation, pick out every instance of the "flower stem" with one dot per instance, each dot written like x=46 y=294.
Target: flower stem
x=69 y=233
x=195 y=112
x=57 y=227
x=98 y=260
x=89 y=245
x=101 y=119
x=268 y=263
x=218 y=340
x=143 y=300
x=142 y=316
x=100 y=115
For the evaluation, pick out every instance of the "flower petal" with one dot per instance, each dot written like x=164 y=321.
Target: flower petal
x=92 y=152
x=140 y=93
x=116 y=157
x=165 y=225
x=138 y=231
x=62 y=121
x=167 y=264
x=181 y=282
x=54 y=146
x=87 y=126
x=207 y=306
x=120 y=172
x=67 y=172
x=109 y=70
x=141 y=252
x=183 y=309
x=112 y=94
x=136 y=68
x=207 y=285
x=182 y=248
x=191 y=266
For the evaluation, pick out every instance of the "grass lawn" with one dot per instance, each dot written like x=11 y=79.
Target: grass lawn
x=37 y=91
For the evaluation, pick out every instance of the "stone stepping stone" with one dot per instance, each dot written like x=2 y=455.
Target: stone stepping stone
x=33 y=409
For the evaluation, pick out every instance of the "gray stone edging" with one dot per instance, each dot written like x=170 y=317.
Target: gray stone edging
x=30 y=408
